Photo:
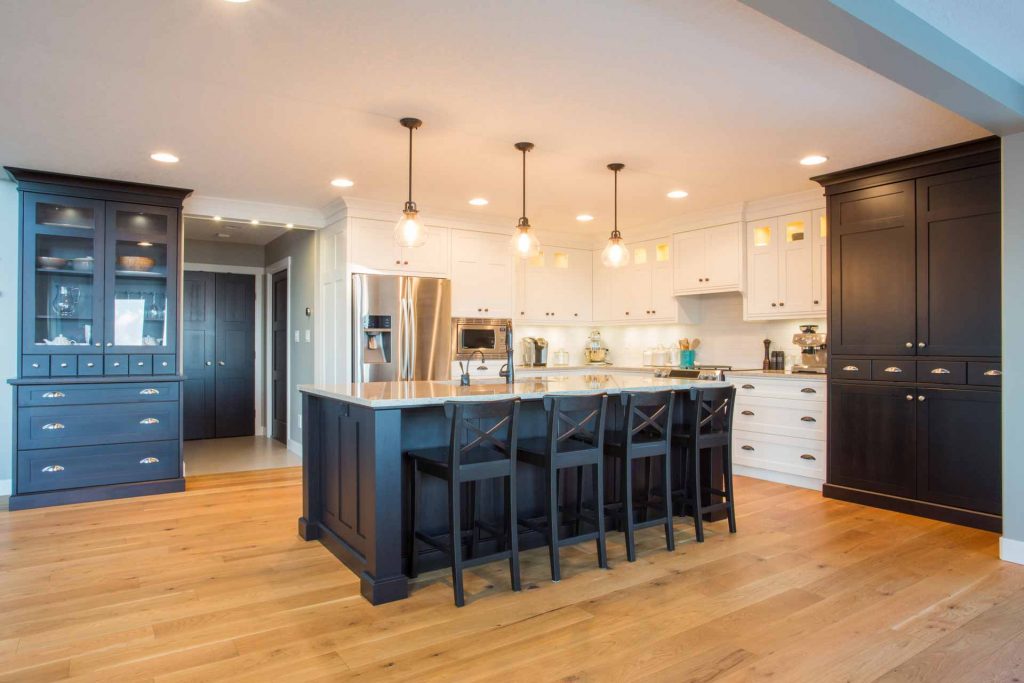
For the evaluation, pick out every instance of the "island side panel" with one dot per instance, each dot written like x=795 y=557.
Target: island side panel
x=309 y=523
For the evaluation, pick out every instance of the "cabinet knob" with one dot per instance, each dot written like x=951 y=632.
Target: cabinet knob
x=50 y=469
x=63 y=365
x=97 y=344
x=921 y=345
x=910 y=397
x=117 y=363
x=774 y=304
x=398 y=263
x=90 y=364
x=921 y=399
x=35 y=365
x=141 y=363
x=815 y=302
x=220 y=362
x=909 y=345
x=782 y=303
x=109 y=344
x=627 y=312
x=405 y=263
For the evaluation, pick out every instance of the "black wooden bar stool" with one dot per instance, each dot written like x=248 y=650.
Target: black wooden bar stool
x=574 y=440
x=708 y=426
x=482 y=447
x=645 y=432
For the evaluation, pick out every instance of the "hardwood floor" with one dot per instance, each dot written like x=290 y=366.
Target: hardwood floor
x=214 y=584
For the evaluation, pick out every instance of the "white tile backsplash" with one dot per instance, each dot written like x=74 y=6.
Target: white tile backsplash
x=726 y=338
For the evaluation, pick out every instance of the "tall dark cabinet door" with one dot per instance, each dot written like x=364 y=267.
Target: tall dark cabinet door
x=235 y=354
x=873 y=271
x=959 y=448
x=958 y=252
x=872 y=430
x=279 y=370
x=198 y=350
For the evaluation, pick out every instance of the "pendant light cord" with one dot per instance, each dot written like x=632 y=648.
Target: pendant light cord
x=615 y=202
x=410 y=164
x=524 y=184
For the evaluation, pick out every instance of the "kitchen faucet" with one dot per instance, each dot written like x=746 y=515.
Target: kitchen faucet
x=508 y=369
x=464 y=378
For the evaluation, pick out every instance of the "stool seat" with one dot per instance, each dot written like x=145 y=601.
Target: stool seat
x=475 y=465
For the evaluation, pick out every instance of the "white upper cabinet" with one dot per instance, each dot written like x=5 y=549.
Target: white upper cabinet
x=819 y=261
x=785 y=266
x=481 y=275
x=373 y=248
x=555 y=286
x=708 y=260
x=641 y=291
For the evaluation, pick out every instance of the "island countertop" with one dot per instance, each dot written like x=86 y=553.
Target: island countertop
x=428 y=393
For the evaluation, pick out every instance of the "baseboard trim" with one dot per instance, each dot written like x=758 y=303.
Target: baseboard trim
x=5 y=487
x=920 y=508
x=779 y=477
x=295 y=447
x=1011 y=550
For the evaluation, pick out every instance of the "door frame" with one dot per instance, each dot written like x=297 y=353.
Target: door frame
x=259 y=426
x=268 y=358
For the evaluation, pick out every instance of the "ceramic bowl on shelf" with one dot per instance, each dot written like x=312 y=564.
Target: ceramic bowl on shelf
x=84 y=264
x=51 y=262
x=135 y=263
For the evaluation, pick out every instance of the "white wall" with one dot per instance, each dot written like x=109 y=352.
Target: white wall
x=725 y=338
x=8 y=313
x=1012 y=546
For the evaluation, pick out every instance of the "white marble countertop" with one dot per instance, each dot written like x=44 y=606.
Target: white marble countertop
x=802 y=376
x=415 y=394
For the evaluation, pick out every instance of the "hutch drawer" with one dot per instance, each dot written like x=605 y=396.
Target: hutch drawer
x=857 y=368
x=164 y=364
x=893 y=370
x=52 y=469
x=942 y=372
x=985 y=374
x=86 y=425
x=83 y=394
x=35 y=366
x=140 y=364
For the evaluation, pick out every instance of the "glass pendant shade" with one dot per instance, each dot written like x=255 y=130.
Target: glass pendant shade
x=525 y=242
x=615 y=253
x=409 y=231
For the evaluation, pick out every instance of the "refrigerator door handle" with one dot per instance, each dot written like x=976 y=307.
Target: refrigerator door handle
x=408 y=331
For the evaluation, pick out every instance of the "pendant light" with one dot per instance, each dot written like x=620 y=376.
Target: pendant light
x=524 y=239
x=409 y=231
x=615 y=254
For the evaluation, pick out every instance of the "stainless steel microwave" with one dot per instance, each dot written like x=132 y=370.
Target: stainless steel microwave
x=486 y=335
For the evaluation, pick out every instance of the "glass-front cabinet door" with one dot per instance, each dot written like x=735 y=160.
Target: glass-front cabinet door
x=63 y=288
x=141 y=285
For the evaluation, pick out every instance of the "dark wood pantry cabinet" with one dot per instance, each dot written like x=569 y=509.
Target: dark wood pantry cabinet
x=97 y=410
x=914 y=332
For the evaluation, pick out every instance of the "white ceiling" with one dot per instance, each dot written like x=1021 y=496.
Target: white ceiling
x=241 y=232
x=991 y=29
x=269 y=100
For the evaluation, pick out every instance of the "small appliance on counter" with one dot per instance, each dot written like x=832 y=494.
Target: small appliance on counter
x=595 y=351
x=813 y=355
x=535 y=352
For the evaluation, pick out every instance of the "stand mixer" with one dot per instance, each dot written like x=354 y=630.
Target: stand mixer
x=813 y=356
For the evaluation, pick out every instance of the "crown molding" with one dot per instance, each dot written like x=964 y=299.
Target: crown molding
x=244 y=211
x=780 y=205
x=373 y=209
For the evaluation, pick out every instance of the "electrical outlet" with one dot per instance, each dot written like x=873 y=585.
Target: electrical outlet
x=300 y=420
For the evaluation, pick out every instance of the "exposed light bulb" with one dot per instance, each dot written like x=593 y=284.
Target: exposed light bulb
x=409 y=231
x=525 y=242
x=615 y=254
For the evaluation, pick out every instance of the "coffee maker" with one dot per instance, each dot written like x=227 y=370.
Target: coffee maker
x=535 y=352
x=813 y=357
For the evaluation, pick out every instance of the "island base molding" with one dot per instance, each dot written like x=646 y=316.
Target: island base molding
x=920 y=508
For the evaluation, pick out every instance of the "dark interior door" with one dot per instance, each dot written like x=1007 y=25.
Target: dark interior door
x=199 y=317
x=235 y=354
x=873 y=305
x=959 y=448
x=958 y=252
x=279 y=368
x=872 y=444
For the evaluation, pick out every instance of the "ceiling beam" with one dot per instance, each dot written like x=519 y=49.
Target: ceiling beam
x=892 y=41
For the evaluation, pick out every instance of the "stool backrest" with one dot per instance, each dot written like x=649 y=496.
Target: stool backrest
x=713 y=410
x=575 y=422
x=482 y=425
x=648 y=416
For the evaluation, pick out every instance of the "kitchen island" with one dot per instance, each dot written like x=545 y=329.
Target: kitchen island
x=354 y=476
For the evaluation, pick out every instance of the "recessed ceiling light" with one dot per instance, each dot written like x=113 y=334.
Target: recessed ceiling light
x=813 y=160
x=254 y=222
x=238 y=2
x=342 y=182
x=289 y=225
x=478 y=201
x=584 y=217
x=216 y=218
x=164 y=157
x=678 y=194
x=223 y=235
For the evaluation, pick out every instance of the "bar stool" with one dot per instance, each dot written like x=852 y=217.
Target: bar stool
x=482 y=447
x=575 y=440
x=646 y=433
x=709 y=425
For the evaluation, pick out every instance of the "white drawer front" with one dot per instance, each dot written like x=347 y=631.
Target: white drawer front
x=805 y=457
x=798 y=388
x=803 y=419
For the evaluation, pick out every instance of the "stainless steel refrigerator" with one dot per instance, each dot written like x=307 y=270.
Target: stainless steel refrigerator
x=401 y=328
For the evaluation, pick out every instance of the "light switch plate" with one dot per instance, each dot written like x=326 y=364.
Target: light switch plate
x=308 y=336
x=297 y=338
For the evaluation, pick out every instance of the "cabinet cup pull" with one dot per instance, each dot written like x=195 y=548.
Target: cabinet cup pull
x=748 y=412
x=851 y=368
x=993 y=373
x=893 y=369
x=746 y=447
x=50 y=469
x=149 y=461
x=807 y=418
x=52 y=426
x=940 y=371
x=748 y=386
x=149 y=421
x=149 y=392
x=807 y=456
x=54 y=394
x=808 y=390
